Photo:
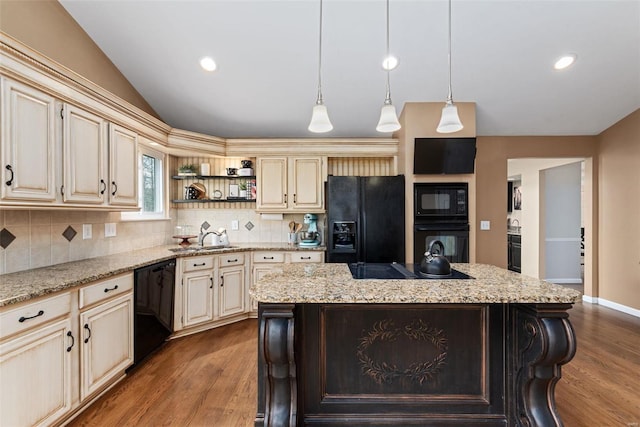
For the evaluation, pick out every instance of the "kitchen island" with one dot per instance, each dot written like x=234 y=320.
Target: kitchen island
x=339 y=351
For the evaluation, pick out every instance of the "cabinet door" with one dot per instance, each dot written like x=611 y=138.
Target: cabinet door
x=35 y=369
x=197 y=298
x=106 y=347
x=28 y=143
x=123 y=166
x=272 y=184
x=84 y=156
x=306 y=184
x=231 y=288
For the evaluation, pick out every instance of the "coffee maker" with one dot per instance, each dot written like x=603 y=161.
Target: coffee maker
x=310 y=237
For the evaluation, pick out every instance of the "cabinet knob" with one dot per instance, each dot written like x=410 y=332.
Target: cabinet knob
x=115 y=188
x=22 y=319
x=86 y=327
x=73 y=341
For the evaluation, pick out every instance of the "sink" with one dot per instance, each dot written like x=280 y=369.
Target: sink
x=190 y=249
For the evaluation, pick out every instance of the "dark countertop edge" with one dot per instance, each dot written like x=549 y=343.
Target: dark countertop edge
x=83 y=279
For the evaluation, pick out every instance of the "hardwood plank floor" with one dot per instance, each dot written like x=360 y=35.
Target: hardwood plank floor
x=209 y=379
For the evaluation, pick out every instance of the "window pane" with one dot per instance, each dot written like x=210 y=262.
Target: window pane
x=149 y=180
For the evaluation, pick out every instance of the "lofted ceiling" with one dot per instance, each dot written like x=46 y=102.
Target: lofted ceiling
x=267 y=55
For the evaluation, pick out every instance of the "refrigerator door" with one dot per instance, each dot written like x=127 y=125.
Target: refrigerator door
x=382 y=219
x=342 y=210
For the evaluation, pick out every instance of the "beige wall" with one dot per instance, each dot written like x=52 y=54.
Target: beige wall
x=44 y=25
x=619 y=212
x=420 y=120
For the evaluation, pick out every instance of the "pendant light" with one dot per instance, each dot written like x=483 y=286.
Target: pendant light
x=449 y=121
x=388 y=118
x=320 y=122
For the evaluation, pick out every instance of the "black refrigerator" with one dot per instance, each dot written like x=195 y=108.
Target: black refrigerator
x=365 y=219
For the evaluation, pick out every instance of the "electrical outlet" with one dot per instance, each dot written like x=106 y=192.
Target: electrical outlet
x=235 y=225
x=485 y=225
x=110 y=229
x=86 y=231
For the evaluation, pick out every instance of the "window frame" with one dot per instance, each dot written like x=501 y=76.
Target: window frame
x=162 y=192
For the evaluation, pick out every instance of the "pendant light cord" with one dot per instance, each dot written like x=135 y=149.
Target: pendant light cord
x=319 y=99
x=450 y=95
x=387 y=99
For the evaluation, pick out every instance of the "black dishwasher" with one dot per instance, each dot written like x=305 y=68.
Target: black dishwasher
x=154 y=295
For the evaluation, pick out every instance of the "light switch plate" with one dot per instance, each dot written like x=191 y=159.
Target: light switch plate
x=235 y=225
x=110 y=229
x=485 y=225
x=86 y=231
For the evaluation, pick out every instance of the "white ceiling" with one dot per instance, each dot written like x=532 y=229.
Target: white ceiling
x=265 y=85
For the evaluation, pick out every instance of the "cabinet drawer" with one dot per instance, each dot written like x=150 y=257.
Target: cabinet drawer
x=34 y=314
x=197 y=263
x=105 y=289
x=231 y=259
x=268 y=257
x=306 y=256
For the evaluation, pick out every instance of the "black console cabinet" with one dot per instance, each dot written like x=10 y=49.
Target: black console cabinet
x=513 y=252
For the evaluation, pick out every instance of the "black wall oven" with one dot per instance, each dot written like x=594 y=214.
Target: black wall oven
x=454 y=237
x=441 y=213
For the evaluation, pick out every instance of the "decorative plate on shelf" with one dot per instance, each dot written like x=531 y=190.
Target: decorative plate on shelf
x=217 y=194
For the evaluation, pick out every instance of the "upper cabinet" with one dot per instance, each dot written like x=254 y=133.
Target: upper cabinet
x=291 y=184
x=84 y=156
x=123 y=166
x=28 y=144
x=58 y=154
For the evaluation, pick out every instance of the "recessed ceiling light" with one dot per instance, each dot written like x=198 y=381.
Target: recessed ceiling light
x=390 y=62
x=208 y=63
x=564 y=61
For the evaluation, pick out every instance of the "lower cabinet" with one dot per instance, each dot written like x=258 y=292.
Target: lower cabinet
x=232 y=290
x=197 y=298
x=58 y=352
x=106 y=346
x=35 y=372
x=514 y=250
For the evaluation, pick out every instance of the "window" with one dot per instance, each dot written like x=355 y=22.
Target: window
x=150 y=186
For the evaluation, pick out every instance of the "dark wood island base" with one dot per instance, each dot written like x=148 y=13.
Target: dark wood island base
x=411 y=364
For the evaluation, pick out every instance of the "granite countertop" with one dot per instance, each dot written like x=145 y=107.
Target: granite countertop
x=333 y=283
x=28 y=284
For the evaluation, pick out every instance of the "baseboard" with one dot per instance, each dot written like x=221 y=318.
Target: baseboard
x=569 y=281
x=613 y=305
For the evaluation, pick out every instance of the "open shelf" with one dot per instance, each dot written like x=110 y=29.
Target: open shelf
x=232 y=200
x=212 y=177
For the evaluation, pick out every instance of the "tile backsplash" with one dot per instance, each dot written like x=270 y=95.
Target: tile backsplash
x=46 y=237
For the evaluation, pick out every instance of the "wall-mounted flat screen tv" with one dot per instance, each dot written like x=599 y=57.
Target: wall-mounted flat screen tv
x=437 y=156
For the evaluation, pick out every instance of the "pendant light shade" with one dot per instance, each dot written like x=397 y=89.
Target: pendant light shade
x=450 y=120
x=320 y=122
x=388 y=118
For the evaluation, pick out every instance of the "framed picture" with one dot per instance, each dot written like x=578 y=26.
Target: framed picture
x=234 y=190
x=517 y=199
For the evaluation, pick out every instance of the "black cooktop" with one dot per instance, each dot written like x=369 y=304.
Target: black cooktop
x=368 y=270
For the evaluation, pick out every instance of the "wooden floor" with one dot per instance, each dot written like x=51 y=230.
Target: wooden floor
x=209 y=379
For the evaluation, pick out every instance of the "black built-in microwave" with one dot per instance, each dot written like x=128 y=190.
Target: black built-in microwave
x=442 y=202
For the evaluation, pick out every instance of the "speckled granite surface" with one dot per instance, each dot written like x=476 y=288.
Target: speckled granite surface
x=25 y=285
x=332 y=283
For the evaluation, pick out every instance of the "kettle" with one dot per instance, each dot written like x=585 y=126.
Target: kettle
x=434 y=263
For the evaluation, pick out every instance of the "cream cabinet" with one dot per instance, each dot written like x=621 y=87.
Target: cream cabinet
x=232 y=284
x=123 y=166
x=84 y=156
x=29 y=144
x=37 y=344
x=287 y=184
x=56 y=154
x=196 y=288
x=107 y=343
x=106 y=332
